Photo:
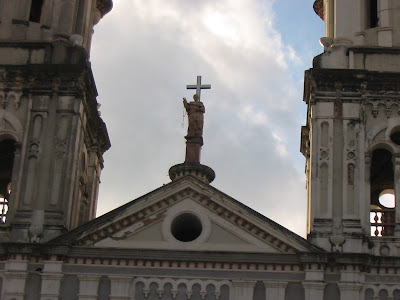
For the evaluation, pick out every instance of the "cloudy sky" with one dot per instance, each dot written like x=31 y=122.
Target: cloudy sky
x=252 y=52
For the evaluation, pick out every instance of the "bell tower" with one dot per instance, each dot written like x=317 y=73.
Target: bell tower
x=52 y=138
x=351 y=139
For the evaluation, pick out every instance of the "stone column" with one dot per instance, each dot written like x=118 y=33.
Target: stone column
x=51 y=280
x=120 y=287
x=313 y=290
x=349 y=291
x=349 y=285
x=275 y=290
x=397 y=194
x=66 y=16
x=367 y=193
x=15 y=274
x=88 y=287
x=243 y=290
x=314 y=285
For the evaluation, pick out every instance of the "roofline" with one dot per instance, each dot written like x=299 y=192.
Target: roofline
x=71 y=235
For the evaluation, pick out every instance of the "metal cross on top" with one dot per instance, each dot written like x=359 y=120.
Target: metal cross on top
x=198 y=87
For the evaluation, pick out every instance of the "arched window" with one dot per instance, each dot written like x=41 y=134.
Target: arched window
x=36 y=11
x=7 y=151
x=382 y=194
x=369 y=294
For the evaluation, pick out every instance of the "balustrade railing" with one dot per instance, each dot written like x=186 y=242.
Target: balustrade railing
x=4 y=209
x=382 y=222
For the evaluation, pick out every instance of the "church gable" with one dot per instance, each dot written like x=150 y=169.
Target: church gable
x=187 y=225
x=187 y=215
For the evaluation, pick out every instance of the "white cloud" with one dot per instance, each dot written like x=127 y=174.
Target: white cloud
x=145 y=52
x=279 y=146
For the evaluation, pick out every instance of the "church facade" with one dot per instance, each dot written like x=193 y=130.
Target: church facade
x=187 y=239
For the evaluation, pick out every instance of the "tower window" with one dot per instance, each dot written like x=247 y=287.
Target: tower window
x=372 y=13
x=7 y=150
x=36 y=11
x=382 y=212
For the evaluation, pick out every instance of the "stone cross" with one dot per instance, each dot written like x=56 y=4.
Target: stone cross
x=198 y=87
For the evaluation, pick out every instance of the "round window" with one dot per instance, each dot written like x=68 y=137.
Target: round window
x=186 y=227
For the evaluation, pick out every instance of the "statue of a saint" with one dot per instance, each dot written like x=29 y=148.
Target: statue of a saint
x=195 y=111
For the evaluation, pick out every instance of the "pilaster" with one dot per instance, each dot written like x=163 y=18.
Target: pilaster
x=349 y=285
x=349 y=291
x=51 y=280
x=275 y=290
x=314 y=284
x=120 y=287
x=243 y=289
x=397 y=194
x=314 y=290
x=15 y=278
x=88 y=287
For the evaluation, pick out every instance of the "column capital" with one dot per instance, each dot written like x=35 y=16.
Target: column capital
x=244 y=283
x=52 y=266
x=121 y=278
x=51 y=276
x=88 y=277
x=314 y=285
x=314 y=275
x=275 y=284
x=346 y=286
x=16 y=265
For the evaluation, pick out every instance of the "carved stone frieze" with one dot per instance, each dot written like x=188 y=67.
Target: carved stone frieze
x=390 y=105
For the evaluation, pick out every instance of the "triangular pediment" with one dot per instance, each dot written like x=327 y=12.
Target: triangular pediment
x=187 y=214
